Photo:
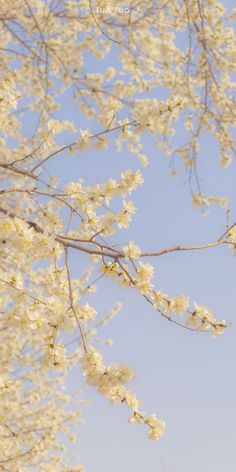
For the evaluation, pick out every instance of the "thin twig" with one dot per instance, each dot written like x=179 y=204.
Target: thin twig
x=72 y=301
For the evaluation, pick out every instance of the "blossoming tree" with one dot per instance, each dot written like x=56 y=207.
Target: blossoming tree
x=175 y=67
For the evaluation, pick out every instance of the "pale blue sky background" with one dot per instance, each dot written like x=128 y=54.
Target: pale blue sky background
x=187 y=378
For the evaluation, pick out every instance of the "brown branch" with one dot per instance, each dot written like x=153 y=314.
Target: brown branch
x=69 y=146
x=72 y=301
x=99 y=27
x=16 y=170
x=181 y=248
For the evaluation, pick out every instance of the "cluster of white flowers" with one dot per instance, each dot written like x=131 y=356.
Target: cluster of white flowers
x=110 y=381
x=90 y=199
x=132 y=251
x=199 y=318
x=200 y=200
x=144 y=276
